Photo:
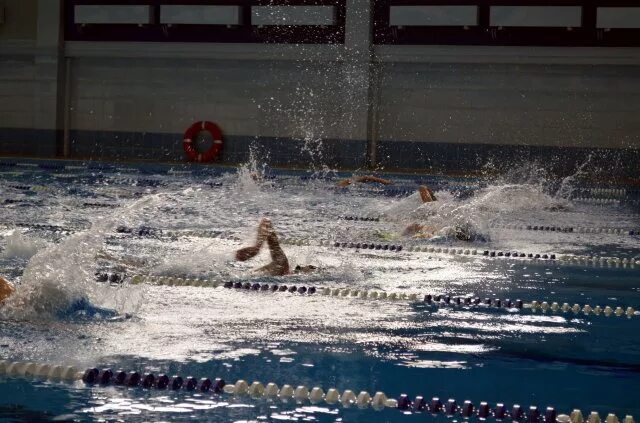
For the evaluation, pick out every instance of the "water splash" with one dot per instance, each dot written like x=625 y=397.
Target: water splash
x=251 y=173
x=522 y=193
x=568 y=183
x=21 y=246
x=60 y=275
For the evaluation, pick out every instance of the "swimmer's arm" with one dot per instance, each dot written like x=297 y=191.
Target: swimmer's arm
x=371 y=178
x=364 y=179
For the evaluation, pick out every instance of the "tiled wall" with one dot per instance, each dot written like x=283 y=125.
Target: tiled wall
x=451 y=107
x=17 y=90
x=508 y=104
x=434 y=116
x=20 y=20
x=266 y=98
x=139 y=108
x=17 y=105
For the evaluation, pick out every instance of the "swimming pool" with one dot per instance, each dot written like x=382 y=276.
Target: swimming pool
x=70 y=224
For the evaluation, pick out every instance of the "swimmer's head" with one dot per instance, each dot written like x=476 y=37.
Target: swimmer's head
x=305 y=269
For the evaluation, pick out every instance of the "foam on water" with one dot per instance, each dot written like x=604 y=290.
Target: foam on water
x=475 y=213
x=246 y=197
x=62 y=274
x=21 y=246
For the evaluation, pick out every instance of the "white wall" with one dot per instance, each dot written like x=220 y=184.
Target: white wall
x=246 y=97
x=17 y=88
x=564 y=97
x=17 y=64
x=30 y=77
x=20 y=20
x=536 y=96
x=548 y=105
x=264 y=98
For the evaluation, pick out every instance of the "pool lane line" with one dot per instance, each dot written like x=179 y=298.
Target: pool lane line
x=587 y=309
x=25 y=187
x=20 y=187
x=568 y=260
x=611 y=192
x=566 y=229
x=32 y=201
x=99 y=205
x=561 y=260
x=300 y=394
x=359 y=218
x=610 y=213
x=541 y=228
x=604 y=202
x=529 y=227
x=438 y=301
x=599 y=201
x=53 y=228
x=59 y=373
x=134 y=379
x=44 y=227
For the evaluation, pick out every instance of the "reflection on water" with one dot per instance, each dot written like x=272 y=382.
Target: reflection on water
x=300 y=339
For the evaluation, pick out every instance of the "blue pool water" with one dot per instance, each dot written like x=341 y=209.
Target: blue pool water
x=64 y=222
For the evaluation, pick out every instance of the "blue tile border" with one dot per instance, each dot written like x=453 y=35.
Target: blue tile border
x=437 y=156
x=28 y=142
x=391 y=155
x=168 y=147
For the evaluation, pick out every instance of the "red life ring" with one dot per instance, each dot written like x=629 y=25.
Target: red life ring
x=189 y=137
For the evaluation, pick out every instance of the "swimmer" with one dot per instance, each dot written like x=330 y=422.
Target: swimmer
x=6 y=289
x=79 y=307
x=363 y=179
x=426 y=195
x=279 y=265
x=417 y=230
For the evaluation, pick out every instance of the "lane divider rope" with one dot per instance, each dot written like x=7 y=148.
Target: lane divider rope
x=565 y=229
x=19 y=187
x=300 y=394
x=610 y=213
x=139 y=182
x=611 y=192
x=100 y=205
x=558 y=259
x=54 y=228
x=594 y=200
x=564 y=260
x=437 y=301
x=360 y=218
x=22 y=201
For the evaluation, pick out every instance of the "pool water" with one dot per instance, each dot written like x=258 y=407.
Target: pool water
x=64 y=223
